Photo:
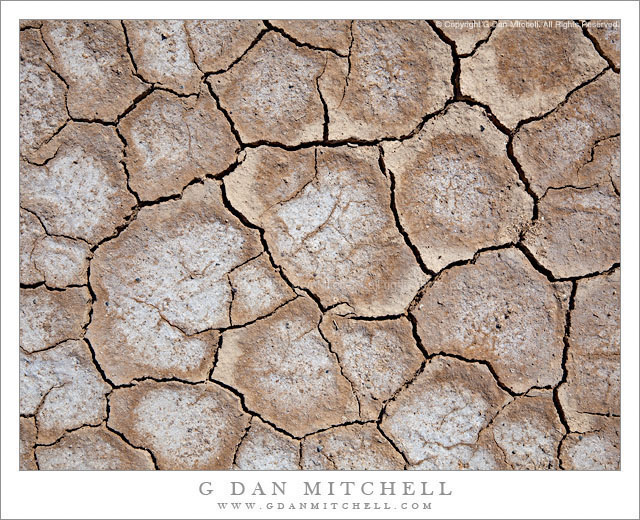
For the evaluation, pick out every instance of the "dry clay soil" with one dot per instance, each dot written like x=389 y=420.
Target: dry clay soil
x=319 y=245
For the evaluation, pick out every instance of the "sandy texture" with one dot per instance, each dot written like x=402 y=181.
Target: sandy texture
x=319 y=245
x=48 y=318
x=328 y=221
x=593 y=362
x=61 y=389
x=56 y=261
x=525 y=72
x=165 y=280
x=80 y=188
x=445 y=408
x=92 y=58
x=172 y=141
x=557 y=150
x=285 y=368
x=501 y=310
x=466 y=34
x=397 y=72
x=92 y=449
x=43 y=95
x=264 y=448
x=354 y=447
x=185 y=426
x=455 y=188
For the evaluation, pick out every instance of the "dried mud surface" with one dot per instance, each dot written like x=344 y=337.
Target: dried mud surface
x=319 y=245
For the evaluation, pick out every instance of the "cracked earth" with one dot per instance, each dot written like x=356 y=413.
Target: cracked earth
x=319 y=245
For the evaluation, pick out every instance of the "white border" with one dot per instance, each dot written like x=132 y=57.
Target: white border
x=174 y=494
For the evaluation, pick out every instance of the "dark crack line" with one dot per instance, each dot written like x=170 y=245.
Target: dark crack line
x=51 y=347
x=303 y=187
x=429 y=283
x=125 y=167
x=613 y=185
x=331 y=349
x=461 y=262
x=222 y=330
x=27 y=27
x=565 y=354
x=216 y=356
x=559 y=452
x=247 y=223
x=325 y=109
x=49 y=288
x=492 y=420
x=334 y=143
x=47 y=141
x=562 y=103
x=394 y=210
x=133 y=61
x=135 y=103
x=55 y=235
x=41 y=403
x=596 y=45
x=164 y=88
x=119 y=229
x=340 y=425
x=391 y=399
x=590 y=160
x=298 y=43
x=55 y=72
x=232 y=291
x=568 y=186
x=455 y=81
x=240 y=157
x=35 y=457
x=242 y=438
x=385 y=317
x=468 y=100
x=550 y=276
x=416 y=336
x=46 y=161
x=252 y=413
x=407 y=463
x=239 y=58
x=127 y=441
x=97 y=365
x=254 y=257
x=346 y=79
x=226 y=114
x=164 y=319
x=598 y=414
x=523 y=177
x=66 y=431
x=190 y=47
x=481 y=42
x=455 y=74
x=484 y=362
x=136 y=380
x=94 y=298
x=400 y=389
x=300 y=455
x=458 y=96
